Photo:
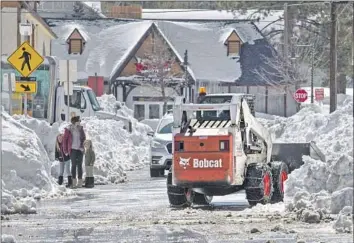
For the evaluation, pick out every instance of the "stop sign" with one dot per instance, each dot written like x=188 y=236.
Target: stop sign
x=300 y=95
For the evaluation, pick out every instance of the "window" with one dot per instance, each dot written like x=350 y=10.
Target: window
x=166 y=129
x=77 y=100
x=75 y=46
x=139 y=112
x=217 y=114
x=93 y=100
x=154 y=111
x=233 y=48
x=169 y=107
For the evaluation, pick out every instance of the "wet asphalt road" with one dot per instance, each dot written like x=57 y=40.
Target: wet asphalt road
x=138 y=211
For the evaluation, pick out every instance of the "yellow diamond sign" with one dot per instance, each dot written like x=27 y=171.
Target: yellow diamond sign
x=25 y=59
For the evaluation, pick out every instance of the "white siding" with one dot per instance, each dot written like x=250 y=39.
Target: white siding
x=41 y=38
x=260 y=93
x=8 y=30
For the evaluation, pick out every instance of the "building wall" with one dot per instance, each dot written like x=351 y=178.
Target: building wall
x=144 y=91
x=270 y=99
x=8 y=30
x=234 y=37
x=42 y=37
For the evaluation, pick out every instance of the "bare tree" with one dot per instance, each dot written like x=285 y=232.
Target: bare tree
x=156 y=69
x=295 y=71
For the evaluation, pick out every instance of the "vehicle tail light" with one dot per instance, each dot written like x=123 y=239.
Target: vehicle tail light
x=224 y=145
x=179 y=146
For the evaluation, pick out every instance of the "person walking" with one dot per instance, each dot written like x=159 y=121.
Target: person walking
x=90 y=158
x=74 y=137
x=64 y=161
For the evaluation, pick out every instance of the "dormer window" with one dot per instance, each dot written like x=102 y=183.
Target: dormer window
x=76 y=42
x=233 y=44
x=233 y=48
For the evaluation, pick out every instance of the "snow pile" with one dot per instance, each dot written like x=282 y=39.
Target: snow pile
x=25 y=168
x=7 y=238
x=153 y=123
x=116 y=149
x=111 y=105
x=319 y=187
x=44 y=131
x=344 y=222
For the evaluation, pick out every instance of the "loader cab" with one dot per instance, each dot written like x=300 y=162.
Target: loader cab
x=82 y=102
x=214 y=115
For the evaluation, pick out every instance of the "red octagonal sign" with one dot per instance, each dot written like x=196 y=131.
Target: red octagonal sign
x=300 y=95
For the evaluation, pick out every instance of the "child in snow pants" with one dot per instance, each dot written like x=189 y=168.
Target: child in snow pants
x=64 y=161
x=89 y=161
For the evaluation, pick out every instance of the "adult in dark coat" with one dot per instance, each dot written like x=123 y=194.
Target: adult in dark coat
x=74 y=137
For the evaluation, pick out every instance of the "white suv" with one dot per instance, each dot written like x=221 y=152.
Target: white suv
x=161 y=146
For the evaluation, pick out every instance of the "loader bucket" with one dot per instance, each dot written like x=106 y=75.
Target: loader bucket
x=291 y=153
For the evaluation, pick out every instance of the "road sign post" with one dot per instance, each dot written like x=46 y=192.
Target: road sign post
x=300 y=95
x=319 y=94
x=25 y=60
x=68 y=75
x=9 y=87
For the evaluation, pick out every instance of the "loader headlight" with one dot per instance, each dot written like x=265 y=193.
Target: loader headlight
x=224 y=145
x=156 y=144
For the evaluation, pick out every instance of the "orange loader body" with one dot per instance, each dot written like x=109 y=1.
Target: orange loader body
x=203 y=160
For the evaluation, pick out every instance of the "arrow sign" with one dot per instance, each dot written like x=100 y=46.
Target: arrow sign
x=25 y=87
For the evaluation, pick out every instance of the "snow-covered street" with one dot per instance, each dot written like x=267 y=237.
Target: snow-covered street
x=138 y=211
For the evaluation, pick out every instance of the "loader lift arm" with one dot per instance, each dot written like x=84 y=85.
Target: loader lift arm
x=254 y=126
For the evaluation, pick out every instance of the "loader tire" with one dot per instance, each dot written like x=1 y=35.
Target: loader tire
x=258 y=184
x=202 y=199
x=178 y=197
x=280 y=173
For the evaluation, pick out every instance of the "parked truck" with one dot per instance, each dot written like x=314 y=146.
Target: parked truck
x=82 y=102
x=219 y=148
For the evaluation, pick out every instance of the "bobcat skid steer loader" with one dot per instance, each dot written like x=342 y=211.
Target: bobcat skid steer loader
x=219 y=148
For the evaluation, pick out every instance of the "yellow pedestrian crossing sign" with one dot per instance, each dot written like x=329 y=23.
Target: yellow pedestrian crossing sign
x=25 y=59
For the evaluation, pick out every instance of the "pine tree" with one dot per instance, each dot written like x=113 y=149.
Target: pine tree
x=78 y=10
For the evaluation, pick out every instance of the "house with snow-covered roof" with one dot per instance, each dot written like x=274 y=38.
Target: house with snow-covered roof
x=221 y=55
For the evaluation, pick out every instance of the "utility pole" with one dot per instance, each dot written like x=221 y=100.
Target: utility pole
x=186 y=84
x=333 y=60
x=353 y=46
x=312 y=69
x=286 y=50
x=286 y=33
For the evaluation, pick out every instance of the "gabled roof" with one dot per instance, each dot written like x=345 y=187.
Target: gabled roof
x=109 y=41
x=130 y=53
x=72 y=32
x=206 y=52
x=253 y=58
x=112 y=42
x=228 y=36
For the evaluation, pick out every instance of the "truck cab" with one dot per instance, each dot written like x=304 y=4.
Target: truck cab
x=82 y=102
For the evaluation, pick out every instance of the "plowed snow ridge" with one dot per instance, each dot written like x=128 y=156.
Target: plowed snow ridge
x=320 y=186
